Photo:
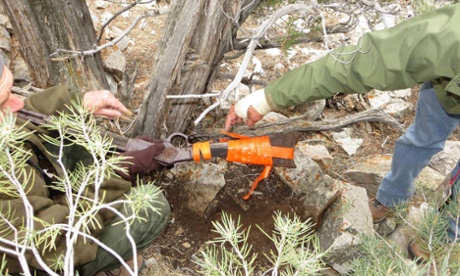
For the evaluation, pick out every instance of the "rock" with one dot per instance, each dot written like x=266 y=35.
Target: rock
x=21 y=71
x=426 y=184
x=100 y=4
x=258 y=66
x=318 y=191
x=116 y=64
x=124 y=42
x=319 y=154
x=396 y=106
x=370 y=172
x=5 y=22
x=274 y=52
x=241 y=91
x=350 y=145
x=446 y=160
x=5 y=44
x=204 y=180
x=406 y=232
x=343 y=224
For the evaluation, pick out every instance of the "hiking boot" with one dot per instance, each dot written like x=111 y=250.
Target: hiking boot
x=378 y=211
x=417 y=253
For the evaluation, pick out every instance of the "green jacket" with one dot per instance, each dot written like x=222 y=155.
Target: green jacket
x=425 y=48
x=46 y=208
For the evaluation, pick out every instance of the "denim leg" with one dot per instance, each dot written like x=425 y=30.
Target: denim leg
x=413 y=151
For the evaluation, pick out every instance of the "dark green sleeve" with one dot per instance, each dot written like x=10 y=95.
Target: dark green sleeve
x=53 y=100
x=421 y=49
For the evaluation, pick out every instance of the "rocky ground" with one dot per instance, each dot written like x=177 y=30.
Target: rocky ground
x=199 y=193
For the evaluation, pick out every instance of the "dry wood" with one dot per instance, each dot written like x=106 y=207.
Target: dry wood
x=43 y=27
x=300 y=124
x=197 y=34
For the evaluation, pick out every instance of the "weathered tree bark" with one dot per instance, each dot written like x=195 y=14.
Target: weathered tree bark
x=300 y=124
x=197 y=35
x=44 y=26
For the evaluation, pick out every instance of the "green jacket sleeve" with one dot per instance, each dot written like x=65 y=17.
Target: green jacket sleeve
x=53 y=100
x=421 y=49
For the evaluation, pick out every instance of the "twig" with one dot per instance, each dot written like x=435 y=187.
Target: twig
x=245 y=80
x=82 y=53
x=376 y=6
x=199 y=96
x=260 y=31
x=24 y=92
x=113 y=17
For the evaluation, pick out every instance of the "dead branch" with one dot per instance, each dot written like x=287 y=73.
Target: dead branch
x=127 y=8
x=247 y=81
x=376 y=6
x=299 y=124
x=260 y=31
x=83 y=53
x=25 y=91
x=101 y=32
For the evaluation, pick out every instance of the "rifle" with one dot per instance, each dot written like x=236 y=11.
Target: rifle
x=269 y=151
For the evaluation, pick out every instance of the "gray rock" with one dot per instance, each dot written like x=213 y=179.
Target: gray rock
x=204 y=180
x=116 y=64
x=343 y=224
x=21 y=71
x=446 y=160
x=369 y=173
x=319 y=154
x=318 y=190
x=5 y=40
x=350 y=145
x=396 y=106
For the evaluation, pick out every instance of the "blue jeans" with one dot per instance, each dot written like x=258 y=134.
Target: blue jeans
x=413 y=151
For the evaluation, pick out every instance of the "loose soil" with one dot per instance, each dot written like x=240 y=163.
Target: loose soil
x=188 y=230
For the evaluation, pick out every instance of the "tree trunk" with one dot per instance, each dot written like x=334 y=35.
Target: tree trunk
x=197 y=35
x=44 y=26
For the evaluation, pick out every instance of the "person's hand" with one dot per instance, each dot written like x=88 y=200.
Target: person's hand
x=141 y=161
x=252 y=117
x=250 y=109
x=8 y=101
x=103 y=103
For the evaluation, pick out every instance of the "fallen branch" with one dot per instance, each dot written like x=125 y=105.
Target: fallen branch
x=130 y=6
x=376 y=6
x=25 y=91
x=299 y=124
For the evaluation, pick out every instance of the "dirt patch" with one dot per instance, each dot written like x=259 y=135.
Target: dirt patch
x=188 y=231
